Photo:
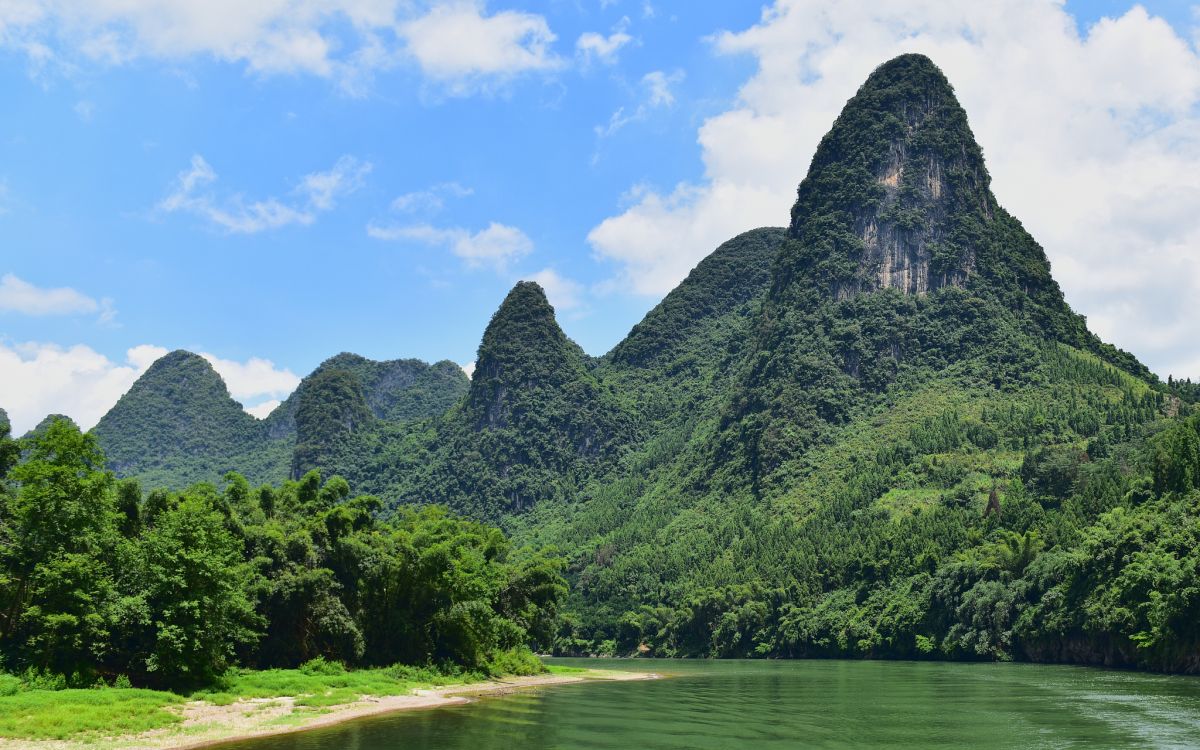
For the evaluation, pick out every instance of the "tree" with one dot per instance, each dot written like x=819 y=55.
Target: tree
x=55 y=530
x=193 y=585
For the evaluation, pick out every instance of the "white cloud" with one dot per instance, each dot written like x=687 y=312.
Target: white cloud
x=328 y=38
x=563 y=293
x=18 y=295
x=321 y=188
x=254 y=378
x=316 y=193
x=38 y=378
x=496 y=246
x=346 y=41
x=431 y=199
x=5 y=197
x=593 y=46
x=263 y=410
x=458 y=45
x=657 y=86
x=1089 y=143
x=469 y=369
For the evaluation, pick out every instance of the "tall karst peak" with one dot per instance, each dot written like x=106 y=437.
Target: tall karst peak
x=535 y=419
x=891 y=184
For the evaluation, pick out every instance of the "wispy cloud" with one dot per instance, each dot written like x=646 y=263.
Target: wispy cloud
x=315 y=193
x=495 y=247
x=429 y=200
x=592 y=46
x=20 y=296
x=657 y=93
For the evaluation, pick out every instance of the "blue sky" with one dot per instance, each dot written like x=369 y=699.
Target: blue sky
x=273 y=186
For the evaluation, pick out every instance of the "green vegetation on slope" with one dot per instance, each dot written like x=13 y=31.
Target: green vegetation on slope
x=535 y=422
x=880 y=432
x=178 y=424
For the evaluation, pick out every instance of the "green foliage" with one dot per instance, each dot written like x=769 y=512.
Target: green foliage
x=178 y=424
x=332 y=408
x=176 y=589
x=9 y=685
x=879 y=433
x=535 y=422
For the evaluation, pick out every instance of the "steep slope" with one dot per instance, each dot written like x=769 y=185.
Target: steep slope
x=535 y=422
x=900 y=264
x=682 y=355
x=914 y=444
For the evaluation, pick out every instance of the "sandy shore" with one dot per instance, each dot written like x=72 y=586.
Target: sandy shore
x=207 y=725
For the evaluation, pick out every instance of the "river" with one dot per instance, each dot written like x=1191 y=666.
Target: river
x=798 y=704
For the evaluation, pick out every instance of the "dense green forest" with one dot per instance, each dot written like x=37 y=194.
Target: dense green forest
x=880 y=431
x=99 y=581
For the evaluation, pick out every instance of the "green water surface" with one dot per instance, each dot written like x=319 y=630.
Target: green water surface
x=799 y=704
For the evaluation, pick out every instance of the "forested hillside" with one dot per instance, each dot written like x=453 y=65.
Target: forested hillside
x=878 y=432
x=178 y=424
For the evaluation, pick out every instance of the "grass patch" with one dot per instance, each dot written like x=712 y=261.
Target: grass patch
x=38 y=713
x=564 y=671
x=81 y=714
x=326 y=688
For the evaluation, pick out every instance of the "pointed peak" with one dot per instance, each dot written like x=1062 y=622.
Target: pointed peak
x=523 y=347
x=179 y=368
x=898 y=173
x=526 y=295
x=912 y=67
x=525 y=311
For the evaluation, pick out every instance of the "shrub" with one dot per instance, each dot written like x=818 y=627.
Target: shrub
x=319 y=666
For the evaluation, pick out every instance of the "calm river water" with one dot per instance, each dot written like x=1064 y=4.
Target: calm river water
x=799 y=704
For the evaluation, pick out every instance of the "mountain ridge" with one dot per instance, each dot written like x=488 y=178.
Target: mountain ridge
x=880 y=431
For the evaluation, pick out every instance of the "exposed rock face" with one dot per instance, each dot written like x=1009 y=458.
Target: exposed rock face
x=902 y=166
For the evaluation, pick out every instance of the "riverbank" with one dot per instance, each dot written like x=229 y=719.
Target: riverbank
x=200 y=723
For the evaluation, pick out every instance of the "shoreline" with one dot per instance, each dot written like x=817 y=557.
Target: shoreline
x=207 y=725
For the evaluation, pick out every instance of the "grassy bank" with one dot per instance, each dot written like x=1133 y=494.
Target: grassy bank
x=40 y=709
x=244 y=703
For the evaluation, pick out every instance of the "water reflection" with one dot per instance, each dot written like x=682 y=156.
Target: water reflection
x=804 y=704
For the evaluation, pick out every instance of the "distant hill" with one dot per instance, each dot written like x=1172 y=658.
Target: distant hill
x=178 y=424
